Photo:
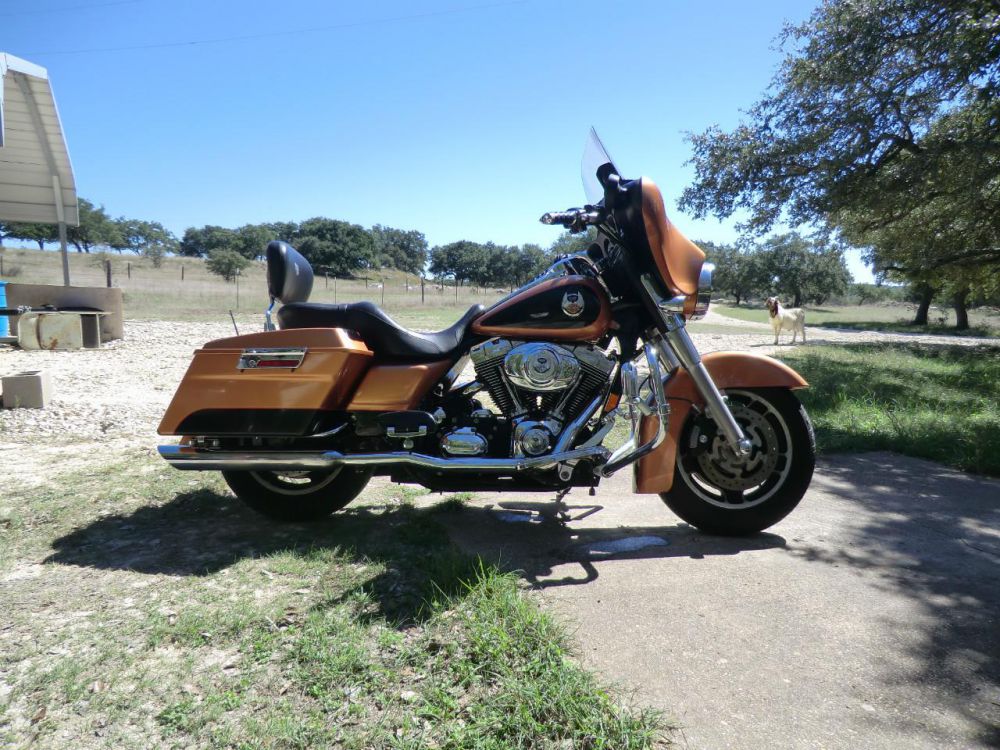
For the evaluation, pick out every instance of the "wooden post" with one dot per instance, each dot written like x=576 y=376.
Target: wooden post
x=107 y=270
x=128 y=268
x=326 y=280
x=456 y=290
x=334 y=288
x=182 y=272
x=421 y=290
x=383 y=292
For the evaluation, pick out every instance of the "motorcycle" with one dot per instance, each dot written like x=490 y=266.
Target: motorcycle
x=300 y=416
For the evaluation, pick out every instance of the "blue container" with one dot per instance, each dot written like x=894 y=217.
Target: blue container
x=4 y=328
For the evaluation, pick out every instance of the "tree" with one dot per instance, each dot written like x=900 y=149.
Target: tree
x=803 y=270
x=96 y=228
x=737 y=273
x=251 y=240
x=529 y=261
x=40 y=233
x=149 y=238
x=399 y=248
x=337 y=246
x=881 y=124
x=464 y=260
x=226 y=263
x=286 y=231
x=570 y=244
x=200 y=242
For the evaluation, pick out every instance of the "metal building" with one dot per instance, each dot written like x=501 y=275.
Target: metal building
x=36 y=176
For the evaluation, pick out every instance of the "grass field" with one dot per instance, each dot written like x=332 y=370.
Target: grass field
x=166 y=615
x=894 y=318
x=935 y=402
x=160 y=293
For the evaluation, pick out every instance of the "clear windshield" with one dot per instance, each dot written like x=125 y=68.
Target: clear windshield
x=595 y=156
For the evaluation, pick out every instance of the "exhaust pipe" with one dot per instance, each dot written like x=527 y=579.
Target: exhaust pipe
x=201 y=459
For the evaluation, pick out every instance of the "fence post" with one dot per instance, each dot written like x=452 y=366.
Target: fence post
x=456 y=290
x=326 y=282
x=182 y=272
x=383 y=291
x=334 y=288
x=421 y=290
x=107 y=270
x=129 y=269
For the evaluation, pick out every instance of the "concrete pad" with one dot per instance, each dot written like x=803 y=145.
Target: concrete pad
x=869 y=618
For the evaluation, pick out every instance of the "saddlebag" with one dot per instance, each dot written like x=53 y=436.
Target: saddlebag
x=276 y=383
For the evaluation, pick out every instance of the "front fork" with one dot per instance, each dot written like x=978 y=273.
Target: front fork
x=674 y=349
x=679 y=349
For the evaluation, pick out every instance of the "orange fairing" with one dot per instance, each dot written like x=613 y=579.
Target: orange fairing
x=655 y=472
x=332 y=365
x=678 y=260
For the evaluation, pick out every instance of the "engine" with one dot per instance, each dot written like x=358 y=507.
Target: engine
x=539 y=385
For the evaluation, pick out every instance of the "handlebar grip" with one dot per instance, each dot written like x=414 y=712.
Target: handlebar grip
x=559 y=217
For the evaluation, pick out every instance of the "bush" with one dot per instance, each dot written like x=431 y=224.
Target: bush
x=226 y=263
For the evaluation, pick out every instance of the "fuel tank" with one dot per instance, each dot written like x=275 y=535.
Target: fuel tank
x=567 y=308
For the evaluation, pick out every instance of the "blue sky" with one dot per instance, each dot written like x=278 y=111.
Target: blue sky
x=463 y=119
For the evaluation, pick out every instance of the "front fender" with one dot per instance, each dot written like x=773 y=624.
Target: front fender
x=654 y=473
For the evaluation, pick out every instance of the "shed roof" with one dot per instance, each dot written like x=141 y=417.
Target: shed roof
x=34 y=160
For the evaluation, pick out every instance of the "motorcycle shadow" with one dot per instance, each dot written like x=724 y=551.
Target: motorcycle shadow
x=416 y=552
x=544 y=544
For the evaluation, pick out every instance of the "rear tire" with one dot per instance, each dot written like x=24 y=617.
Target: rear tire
x=300 y=495
x=719 y=494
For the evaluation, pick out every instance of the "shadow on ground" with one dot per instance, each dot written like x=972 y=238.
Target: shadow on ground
x=932 y=535
x=201 y=532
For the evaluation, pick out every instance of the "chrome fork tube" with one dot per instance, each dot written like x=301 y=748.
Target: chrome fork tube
x=687 y=354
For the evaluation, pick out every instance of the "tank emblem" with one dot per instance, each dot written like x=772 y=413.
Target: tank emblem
x=572 y=303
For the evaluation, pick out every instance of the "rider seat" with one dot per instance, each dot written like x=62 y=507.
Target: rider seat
x=289 y=280
x=380 y=333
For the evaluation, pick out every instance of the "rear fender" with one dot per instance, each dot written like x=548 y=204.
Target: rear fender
x=654 y=473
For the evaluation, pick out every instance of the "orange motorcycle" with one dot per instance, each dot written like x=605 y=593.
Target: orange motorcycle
x=300 y=416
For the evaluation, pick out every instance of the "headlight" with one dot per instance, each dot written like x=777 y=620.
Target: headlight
x=704 y=294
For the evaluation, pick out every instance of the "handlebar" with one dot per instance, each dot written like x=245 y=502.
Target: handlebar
x=575 y=219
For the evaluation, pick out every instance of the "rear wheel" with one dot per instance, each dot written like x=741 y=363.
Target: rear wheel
x=297 y=495
x=721 y=493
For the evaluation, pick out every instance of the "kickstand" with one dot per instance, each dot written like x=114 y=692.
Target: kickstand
x=561 y=509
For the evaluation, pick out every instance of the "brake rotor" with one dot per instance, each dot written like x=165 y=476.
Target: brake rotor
x=720 y=465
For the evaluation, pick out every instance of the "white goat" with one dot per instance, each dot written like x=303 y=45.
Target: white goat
x=793 y=320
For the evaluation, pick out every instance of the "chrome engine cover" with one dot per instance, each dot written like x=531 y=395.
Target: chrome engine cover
x=464 y=441
x=533 y=438
x=541 y=367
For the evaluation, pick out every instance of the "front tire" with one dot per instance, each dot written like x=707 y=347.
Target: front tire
x=717 y=492
x=298 y=495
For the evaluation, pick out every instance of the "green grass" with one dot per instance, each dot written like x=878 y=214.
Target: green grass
x=893 y=318
x=936 y=402
x=165 y=615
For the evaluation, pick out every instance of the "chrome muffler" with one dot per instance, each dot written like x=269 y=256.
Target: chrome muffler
x=188 y=457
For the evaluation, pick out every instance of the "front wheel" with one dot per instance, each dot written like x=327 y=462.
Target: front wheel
x=298 y=495
x=721 y=493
